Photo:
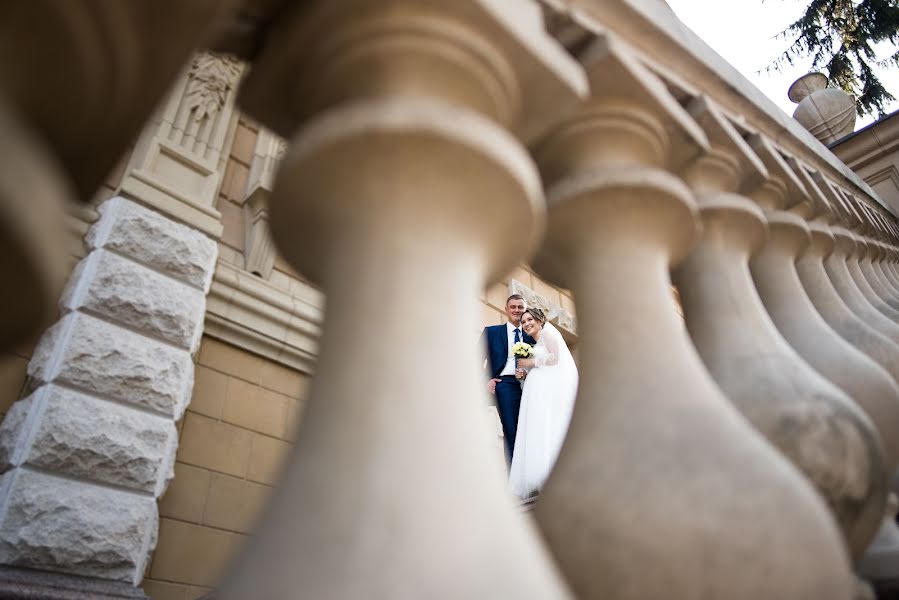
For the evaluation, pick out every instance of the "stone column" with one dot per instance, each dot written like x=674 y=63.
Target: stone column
x=805 y=416
x=402 y=195
x=774 y=273
x=653 y=477
x=87 y=454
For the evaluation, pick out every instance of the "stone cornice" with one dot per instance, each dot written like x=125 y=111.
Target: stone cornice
x=250 y=313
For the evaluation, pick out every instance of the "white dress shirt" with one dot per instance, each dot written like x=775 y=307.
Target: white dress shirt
x=509 y=369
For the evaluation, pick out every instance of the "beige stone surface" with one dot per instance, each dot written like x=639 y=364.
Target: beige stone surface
x=188 y=552
x=185 y=498
x=210 y=389
x=234 y=504
x=249 y=406
x=266 y=459
x=214 y=445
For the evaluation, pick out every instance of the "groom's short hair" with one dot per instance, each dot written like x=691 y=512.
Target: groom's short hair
x=515 y=297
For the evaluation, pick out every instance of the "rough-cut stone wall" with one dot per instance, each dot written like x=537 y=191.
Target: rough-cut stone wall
x=86 y=455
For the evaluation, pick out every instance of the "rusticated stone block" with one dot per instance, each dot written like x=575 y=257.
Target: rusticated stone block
x=113 y=362
x=149 y=237
x=54 y=524
x=124 y=291
x=91 y=439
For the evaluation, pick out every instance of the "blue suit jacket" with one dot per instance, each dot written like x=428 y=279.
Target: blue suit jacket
x=497 y=340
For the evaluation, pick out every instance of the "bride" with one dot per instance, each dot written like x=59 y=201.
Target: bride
x=546 y=404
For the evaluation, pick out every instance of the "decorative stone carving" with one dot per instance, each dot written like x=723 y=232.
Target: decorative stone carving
x=828 y=113
x=210 y=80
x=177 y=165
x=52 y=523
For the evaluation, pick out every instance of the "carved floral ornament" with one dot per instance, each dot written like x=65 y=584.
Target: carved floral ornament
x=209 y=81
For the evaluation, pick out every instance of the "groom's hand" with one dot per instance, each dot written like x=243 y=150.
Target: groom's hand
x=491 y=385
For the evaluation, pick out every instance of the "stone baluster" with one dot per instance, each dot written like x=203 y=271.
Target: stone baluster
x=842 y=265
x=805 y=416
x=838 y=270
x=867 y=250
x=881 y=263
x=652 y=478
x=869 y=231
x=402 y=194
x=774 y=273
x=828 y=302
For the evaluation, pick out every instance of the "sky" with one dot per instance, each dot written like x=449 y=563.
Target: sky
x=744 y=33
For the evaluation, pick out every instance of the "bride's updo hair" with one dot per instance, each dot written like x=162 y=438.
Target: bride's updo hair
x=537 y=314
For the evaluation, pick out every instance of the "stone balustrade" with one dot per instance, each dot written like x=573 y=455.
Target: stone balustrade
x=411 y=155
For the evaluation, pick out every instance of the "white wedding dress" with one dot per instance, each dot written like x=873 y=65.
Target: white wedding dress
x=546 y=404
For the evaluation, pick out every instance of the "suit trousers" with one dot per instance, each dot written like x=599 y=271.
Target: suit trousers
x=508 y=403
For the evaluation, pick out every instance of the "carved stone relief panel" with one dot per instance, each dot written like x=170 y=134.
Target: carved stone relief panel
x=176 y=164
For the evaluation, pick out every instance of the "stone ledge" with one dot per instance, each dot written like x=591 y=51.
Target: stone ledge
x=250 y=313
x=28 y=584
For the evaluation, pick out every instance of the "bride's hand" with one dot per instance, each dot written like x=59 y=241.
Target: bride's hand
x=526 y=363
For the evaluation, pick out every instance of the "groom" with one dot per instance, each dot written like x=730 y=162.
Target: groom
x=501 y=365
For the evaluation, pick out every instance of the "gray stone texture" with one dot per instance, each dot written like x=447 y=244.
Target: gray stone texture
x=50 y=523
x=91 y=439
x=137 y=232
x=98 y=357
x=124 y=291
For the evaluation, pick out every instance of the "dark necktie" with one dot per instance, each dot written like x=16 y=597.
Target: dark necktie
x=515 y=340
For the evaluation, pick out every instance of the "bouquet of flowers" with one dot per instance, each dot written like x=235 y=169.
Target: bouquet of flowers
x=521 y=350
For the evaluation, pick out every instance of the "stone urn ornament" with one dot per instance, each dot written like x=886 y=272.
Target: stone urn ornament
x=827 y=112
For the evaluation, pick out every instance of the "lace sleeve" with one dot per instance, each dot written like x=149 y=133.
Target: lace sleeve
x=551 y=339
